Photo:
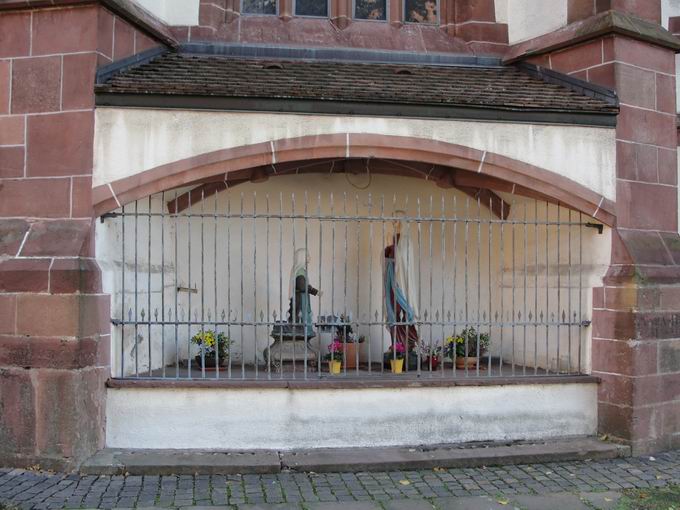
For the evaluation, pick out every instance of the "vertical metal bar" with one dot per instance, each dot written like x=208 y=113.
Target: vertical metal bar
x=202 y=279
x=344 y=288
x=318 y=213
x=306 y=285
x=136 y=343
x=384 y=293
x=357 y=320
x=419 y=320
x=255 y=284
x=229 y=339
x=148 y=282
x=488 y=277
x=524 y=321
x=293 y=293
x=176 y=285
x=163 y=282
x=444 y=272
x=547 y=288
x=406 y=320
x=431 y=264
x=281 y=319
x=189 y=216
x=569 y=319
x=122 y=299
x=502 y=286
x=217 y=350
x=467 y=296
x=243 y=351
x=479 y=277
x=333 y=261
x=559 y=288
x=370 y=276
x=454 y=288
x=580 y=287
x=269 y=352
x=393 y=336
x=536 y=287
x=514 y=309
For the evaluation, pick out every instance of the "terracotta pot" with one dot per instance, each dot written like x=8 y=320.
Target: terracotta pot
x=210 y=361
x=397 y=365
x=435 y=363
x=351 y=355
x=471 y=362
x=334 y=366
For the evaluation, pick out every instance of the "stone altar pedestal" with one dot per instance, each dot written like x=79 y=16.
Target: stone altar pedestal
x=289 y=345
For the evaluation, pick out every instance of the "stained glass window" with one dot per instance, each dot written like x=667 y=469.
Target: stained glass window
x=420 y=11
x=317 y=8
x=258 y=7
x=370 y=9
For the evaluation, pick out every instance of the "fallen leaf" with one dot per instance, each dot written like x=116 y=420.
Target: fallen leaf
x=404 y=482
x=503 y=501
x=608 y=500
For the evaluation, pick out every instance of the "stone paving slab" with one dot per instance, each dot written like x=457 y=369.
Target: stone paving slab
x=602 y=500
x=552 y=501
x=577 y=482
x=180 y=462
x=322 y=460
x=471 y=503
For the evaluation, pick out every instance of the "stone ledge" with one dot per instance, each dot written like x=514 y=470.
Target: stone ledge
x=178 y=462
x=338 y=383
x=609 y=22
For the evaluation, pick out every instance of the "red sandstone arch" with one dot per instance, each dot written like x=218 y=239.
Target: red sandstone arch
x=500 y=172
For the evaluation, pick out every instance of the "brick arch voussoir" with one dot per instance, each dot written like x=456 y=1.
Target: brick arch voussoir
x=109 y=197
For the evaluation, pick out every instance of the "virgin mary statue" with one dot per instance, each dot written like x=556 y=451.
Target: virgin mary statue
x=400 y=286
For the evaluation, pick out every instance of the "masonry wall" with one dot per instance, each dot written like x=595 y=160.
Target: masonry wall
x=636 y=344
x=54 y=320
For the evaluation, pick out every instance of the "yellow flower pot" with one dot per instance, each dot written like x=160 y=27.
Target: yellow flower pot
x=334 y=366
x=397 y=365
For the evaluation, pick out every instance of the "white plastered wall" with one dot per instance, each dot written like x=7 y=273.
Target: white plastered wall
x=250 y=275
x=173 y=12
x=527 y=19
x=288 y=419
x=129 y=141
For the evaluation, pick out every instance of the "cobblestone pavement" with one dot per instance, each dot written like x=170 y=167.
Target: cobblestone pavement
x=390 y=490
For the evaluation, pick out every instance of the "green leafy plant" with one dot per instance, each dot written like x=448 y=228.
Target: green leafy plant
x=455 y=346
x=212 y=343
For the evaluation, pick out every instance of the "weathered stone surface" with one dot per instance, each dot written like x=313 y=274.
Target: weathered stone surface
x=12 y=232
x=36 y=85
x=58 y=238
x=561 y=501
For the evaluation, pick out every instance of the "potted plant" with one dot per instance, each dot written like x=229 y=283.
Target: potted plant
x=463 y=347
x=334 y=356
x=397 y=353
x=351 y=345
x=430 y=356
x=213 y=347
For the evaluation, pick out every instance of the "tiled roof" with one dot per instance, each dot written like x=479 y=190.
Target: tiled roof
x=507 y=88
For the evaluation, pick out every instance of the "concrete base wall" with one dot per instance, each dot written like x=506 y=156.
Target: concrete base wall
x=219 y=418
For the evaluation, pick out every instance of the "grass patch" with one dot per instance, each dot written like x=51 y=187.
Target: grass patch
x=665 y=498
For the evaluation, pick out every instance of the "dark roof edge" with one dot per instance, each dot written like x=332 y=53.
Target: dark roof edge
x=126 y=9
x=337 y=54
x=608 y=22
x=300 y=106
x=582 y=87
x=107 y=71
